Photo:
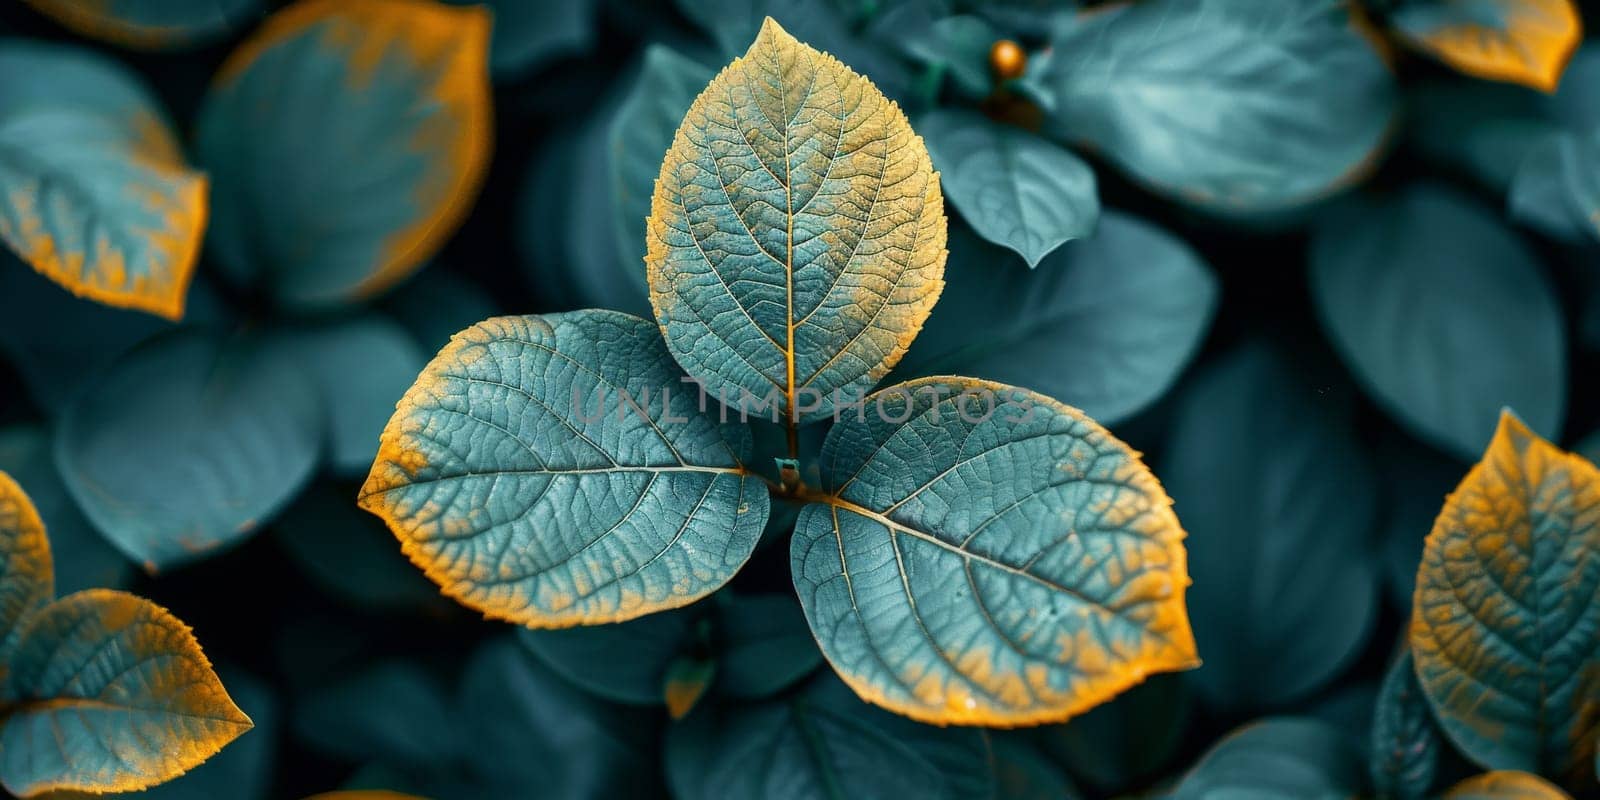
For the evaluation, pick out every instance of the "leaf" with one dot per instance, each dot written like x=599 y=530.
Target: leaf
x=350 y=555
x=434 y=305
x=81 y=558
x=588 y=656
x=151 y=24
x=686 y=682
x=1443 y=313
x=188 y=444
x=1281 y=505
x=1125 y=742
x=1105 y=325
x=94 y=192
x=243 y=771
x=360 y=365
x=1235 y=105
x=1013 y=187
x=393 y=712
x=763 y=645
x=1545 y=191
x=110 y=693
x=806 y=287
x=1505 y=785
x=1520 y=41
x=641 y=129
x=347 y=140
x=1274 y=759
x=818 y=743
x=527 y=35
x=521 y=480
x=980 y=554
x=958 y=43
x=1026 y=775
x=1580 y=164
x=732 y=24
x=1403 y=753
x=1507 y=609
x=1482 y=129
x=27 y=581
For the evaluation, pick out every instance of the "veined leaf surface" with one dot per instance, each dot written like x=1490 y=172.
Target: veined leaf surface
x=111 y=693
x=1505 y=785
x=26 y=579
x=1521 y=41
x=1507 y=609
x=1403 y=753
x=94 y=193
x=796 y=237
x=150 y=24
x=1015 y=188
x=1233 y=104
x=520 y=479
x=347 y=139
x=986 y=555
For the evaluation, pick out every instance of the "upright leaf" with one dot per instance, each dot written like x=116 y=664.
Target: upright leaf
x=26 y=579
x=1013 y=187
x=347 y=139
x=1507 y=609
x=189 y=443
x=94 y=192
x=1105 y=325
x=1442 y=312
x=1403 y=753
x=151 y=24
x=980 y=554
x=796 y=237
x=1281 y=504
x=109 y=693
x=1505 y=785
x=1233 y=104
x=554 y=471
x=1521 y=41
x=1275 y=759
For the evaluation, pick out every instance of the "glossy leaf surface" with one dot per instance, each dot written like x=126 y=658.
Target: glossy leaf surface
x=1521 y=41
x=1280 y=505
x=151 y=24
x=94 y=192
x=796 y=237
x=1105 y=324
x=189 y=443
x=1003 y=568
x=1443 y=313
x=111 y=693
x=1015 y=188
x=1275 y=759
x=1232 y=104
x=1507 y=609
x=522 y=480
x=346 y=139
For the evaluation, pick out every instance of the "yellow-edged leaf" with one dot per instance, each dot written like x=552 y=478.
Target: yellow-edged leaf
x=1505 y=785
x=26 y=577
x=1518 y=41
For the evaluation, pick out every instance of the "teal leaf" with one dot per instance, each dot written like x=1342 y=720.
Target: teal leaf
x=1544 y=190
x=1281 y=505
x=94 y=193
x=360 y=365
x=959 y=43
x=822 y=742
x=29 y=580
x=1024 y=774
x=522 y=480
x=1236 y=105
x=393 y=712
x=528 y=35
x=1507 y=609
x=244 y=770
x=436 y=304
x=782 y=289
x=1013 y=187
x=1274 y=759
x=733 y=24
x=1125 y=742
x=636 y=136
x=763 y=645
x=1479 y=128
x=81 y=557
x=980 y=554
x=350 y=555
x=109 y=692
x=151 y=24
x=1580 y=164
x=1414 y=479
x=188 y=444
x=1105 y=325
x=1403 y=753
x=346 y=140
x=1443 y=313
x=589 y=656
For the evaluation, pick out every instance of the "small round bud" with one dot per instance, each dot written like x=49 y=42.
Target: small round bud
x=1007 y=60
